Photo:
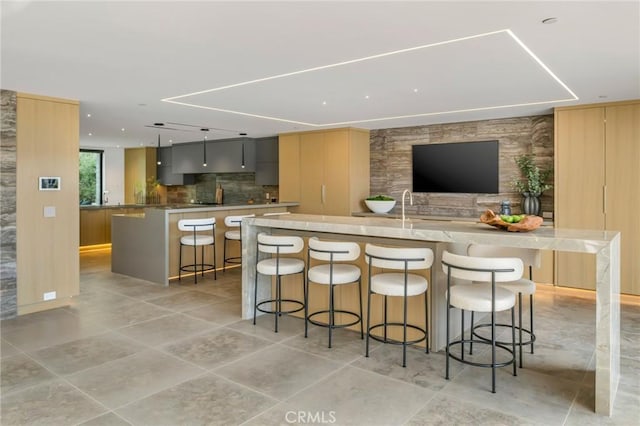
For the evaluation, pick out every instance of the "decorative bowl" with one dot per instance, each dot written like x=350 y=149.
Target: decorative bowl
x=378 y=206
x=528 y=223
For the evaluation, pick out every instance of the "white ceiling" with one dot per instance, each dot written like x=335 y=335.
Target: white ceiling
x=264 y=68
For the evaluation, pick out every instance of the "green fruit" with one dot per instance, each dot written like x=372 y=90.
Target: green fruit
x=506 y=218
x=517 y=218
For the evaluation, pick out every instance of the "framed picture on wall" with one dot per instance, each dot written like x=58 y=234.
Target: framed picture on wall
x=49 y=183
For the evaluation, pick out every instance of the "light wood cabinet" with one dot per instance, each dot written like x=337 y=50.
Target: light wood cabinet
x=597 y=176
x=139 y=169
x=327 y=171
x=47 y=135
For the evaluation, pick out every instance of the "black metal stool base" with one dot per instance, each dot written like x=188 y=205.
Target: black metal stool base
x=277 y=312
x=480 y=364
x=398 y=342
x=358 y=319
x=532 y=337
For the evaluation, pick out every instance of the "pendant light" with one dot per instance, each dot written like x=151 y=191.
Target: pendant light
x=243 y=155
x=204 y=148
x=159 y=162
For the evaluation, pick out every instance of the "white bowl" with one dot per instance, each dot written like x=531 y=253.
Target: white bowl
x=377 y=206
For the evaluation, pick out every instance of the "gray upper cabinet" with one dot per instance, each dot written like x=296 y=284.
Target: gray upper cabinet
x=165 y=171
x=222 y=156
x=267 y=161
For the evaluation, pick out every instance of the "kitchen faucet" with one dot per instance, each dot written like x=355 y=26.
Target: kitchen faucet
x=410 y=202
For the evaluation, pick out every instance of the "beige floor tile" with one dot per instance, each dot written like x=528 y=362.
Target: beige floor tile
x=342 y=396
x=207 y=400
x=217 y=347
x=166 y=329
x=222 y=313
x=424 y=370
x=278 y=371
x=522 y=396
x=78 y=355
x=49 y=404
x=19 y=372
x=109 y=419
x=124 y=380
x=7 y=349
x=186 y=300
x=288 y=326
x=124 y=315
x=445 y=411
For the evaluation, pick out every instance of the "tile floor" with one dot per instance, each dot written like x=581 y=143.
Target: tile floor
x=131 y=352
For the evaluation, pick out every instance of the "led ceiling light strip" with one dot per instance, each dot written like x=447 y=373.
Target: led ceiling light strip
x=174 y=99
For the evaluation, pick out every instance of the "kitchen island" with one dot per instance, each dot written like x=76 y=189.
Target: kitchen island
x=145 y=244
x=440 y=236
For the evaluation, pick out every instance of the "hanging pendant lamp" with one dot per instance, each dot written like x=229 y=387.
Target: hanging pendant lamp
x=159 y=162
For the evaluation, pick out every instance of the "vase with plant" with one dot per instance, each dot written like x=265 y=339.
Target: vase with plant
x=535 y=182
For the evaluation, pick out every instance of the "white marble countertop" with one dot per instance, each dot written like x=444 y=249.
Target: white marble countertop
x=576 y=240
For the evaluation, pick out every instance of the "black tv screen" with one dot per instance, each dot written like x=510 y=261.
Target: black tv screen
x=470 y=167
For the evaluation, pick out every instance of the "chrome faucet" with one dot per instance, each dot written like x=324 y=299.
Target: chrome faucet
x=410 y=202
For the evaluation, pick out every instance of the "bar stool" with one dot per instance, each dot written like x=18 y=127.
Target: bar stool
x=277 y=266
x=333 y=274
x=233 y=235
x=523 y=286
x=482 y=295
x=198 y=237
x=398 y=284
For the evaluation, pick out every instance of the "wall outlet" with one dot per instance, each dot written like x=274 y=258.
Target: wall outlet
x=51 y=295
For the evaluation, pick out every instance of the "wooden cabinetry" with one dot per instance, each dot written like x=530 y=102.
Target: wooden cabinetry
x=597 y=163
x=47 y=136
x=327 y=171
x=139 y=170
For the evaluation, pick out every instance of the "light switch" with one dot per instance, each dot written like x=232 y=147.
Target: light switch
x=50 y=211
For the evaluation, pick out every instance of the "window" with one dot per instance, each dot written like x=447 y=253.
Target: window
x=90 y=177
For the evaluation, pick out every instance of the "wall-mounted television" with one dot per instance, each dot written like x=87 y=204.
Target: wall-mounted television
x=461 y=167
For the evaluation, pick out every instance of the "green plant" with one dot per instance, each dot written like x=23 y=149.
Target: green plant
x=380 y=198
x=535 y=179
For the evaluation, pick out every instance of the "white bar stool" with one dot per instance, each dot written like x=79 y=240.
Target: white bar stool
x=198 y=237
x=333 y=274
x=482 y=295
x=232 y=234
x=523 y=286
x=398 y=284
x=277 y=266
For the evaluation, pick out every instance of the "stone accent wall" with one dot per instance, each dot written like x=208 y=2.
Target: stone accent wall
x=391 y=163
x=238 y=188
x=8 y=275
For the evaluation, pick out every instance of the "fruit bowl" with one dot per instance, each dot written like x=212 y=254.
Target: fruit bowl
x=527 y=223
x=378 y=206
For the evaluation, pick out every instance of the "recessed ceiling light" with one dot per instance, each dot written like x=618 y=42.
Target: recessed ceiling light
x=324 y=102
x=122 y=129
x=90 y=134
x=117 y=146
x=141 y=144
x=551 y=20
x=170 y=140
x=88 y=115
x=415 y=90
x=366 y=96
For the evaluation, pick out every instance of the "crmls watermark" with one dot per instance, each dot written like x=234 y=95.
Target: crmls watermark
x=302 y=417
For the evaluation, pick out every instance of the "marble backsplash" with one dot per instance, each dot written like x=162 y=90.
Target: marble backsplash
x=8 y=273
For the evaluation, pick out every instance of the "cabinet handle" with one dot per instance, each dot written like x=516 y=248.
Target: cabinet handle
x=604 y=199
x=322 y=188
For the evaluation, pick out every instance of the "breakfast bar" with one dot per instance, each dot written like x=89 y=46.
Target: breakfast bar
x=452 y=236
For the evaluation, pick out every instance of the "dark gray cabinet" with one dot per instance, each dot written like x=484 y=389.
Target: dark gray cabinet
x=222 y=156
x=267 y=161
x=165 y=173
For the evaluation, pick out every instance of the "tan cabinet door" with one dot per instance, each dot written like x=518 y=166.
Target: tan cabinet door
x=580 y=177
x=312 y=157
x=623 y=189
x=336 y=174
x=289 y=167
